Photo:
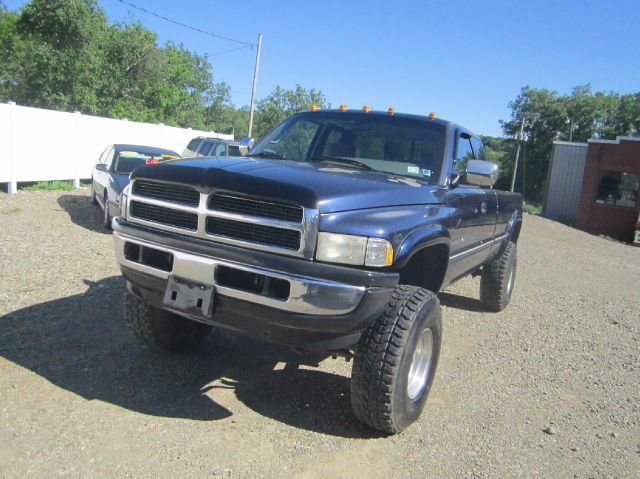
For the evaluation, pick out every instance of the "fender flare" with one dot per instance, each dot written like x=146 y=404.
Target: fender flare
x=420 y=239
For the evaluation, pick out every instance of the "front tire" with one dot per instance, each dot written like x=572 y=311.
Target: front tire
x=498 y=278
x=106 y=216
x=94 y=200
x=162 y=330
x=396 y=360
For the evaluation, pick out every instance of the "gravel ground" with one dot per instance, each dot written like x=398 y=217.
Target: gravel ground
x=547 y=388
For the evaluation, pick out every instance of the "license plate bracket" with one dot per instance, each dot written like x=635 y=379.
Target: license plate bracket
x=189 y=296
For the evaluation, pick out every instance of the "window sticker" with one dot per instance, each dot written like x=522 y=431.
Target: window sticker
x=413 y=169
x=426 y=172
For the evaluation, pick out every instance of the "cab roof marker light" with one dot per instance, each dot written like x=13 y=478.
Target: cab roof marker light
x=432 y=115
x=366 y=108
x=314 y=107
x=343 y=107
x=391 y=110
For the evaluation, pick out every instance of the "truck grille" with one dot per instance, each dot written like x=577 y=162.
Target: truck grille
x=253 y=207
x=183 y=195
x=224 y=217
x=164 y=216
x=266 y=235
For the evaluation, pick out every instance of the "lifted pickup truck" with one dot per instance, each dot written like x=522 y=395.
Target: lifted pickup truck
x=333 y=233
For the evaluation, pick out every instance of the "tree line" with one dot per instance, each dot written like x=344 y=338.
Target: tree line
x=65 y=55
x=545 y=116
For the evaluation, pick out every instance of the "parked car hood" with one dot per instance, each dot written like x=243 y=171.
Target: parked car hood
x=328 y=187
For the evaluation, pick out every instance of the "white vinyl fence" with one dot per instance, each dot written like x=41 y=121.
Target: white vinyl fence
x=46 y=145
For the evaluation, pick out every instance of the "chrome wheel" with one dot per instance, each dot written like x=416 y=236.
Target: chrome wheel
x=420 y=365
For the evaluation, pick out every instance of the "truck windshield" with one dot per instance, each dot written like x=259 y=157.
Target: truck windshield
x=392 y=144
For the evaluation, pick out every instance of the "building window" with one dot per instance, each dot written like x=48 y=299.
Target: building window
x=616 y=188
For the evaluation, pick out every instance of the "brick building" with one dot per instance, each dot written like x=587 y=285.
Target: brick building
x=604 y=199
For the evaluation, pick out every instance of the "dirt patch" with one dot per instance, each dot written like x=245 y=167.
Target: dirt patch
x=547 y=388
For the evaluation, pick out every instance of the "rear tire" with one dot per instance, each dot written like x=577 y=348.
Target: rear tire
x=162 y=330
x=396 y=360
x=498 y=278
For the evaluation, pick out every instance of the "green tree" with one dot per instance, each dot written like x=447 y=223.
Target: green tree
x=282 y=103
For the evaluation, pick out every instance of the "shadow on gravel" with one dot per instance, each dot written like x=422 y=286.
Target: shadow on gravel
x=80 y=343
x=83 y=212
x=452 y=300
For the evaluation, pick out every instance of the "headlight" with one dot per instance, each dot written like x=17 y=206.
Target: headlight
x=356 y=250
x=124 y=197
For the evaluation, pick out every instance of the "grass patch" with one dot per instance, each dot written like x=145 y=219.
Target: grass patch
x=13 y=209
x=533 y=208
x=50 y=185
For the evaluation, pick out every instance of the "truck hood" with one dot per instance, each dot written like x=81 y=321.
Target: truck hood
x=328 y=187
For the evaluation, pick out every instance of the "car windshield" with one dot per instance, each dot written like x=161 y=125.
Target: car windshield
x=129 y=160
x=392 y=144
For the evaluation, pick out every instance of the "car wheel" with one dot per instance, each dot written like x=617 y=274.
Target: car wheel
x=162 y=330
x=498 y=278
x=396 y=360
x=106 y=216
x=94 y=200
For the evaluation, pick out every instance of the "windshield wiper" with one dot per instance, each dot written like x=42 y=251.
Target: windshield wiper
x=346 y=161
x=268 y=154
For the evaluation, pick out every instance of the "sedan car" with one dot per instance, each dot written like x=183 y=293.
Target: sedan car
x=111 y=174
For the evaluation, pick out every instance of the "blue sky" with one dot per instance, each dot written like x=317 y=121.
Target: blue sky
x=464 y=60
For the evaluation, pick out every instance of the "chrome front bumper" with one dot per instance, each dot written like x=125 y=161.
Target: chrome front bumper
x=310 y=296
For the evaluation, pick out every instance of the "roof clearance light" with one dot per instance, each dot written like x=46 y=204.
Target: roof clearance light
x=391 y=110
x=432 y=115
x=343 y=107
x=314 y=107
x=366 y=108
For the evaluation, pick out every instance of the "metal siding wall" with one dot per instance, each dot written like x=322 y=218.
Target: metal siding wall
x=565 y=181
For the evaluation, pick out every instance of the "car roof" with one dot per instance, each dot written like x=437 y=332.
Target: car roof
x=144 y=149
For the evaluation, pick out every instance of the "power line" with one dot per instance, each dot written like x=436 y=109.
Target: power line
x=229 y=51
x=215 y=35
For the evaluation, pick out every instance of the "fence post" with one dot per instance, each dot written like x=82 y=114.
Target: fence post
x=13 y=183
x=76 y=179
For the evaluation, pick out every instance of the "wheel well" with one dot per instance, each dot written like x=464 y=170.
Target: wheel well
x=426 y=268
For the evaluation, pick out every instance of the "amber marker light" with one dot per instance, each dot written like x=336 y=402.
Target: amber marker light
x=432 y=115
x=391 y=110
x=343 y=107
x=314 y=107
x=366 y=108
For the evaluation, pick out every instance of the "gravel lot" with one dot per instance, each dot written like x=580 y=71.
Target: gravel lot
x=548 y=388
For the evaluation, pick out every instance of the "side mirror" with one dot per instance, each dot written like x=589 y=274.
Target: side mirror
x=101 y=167
x=481 y=173
x=245 y=145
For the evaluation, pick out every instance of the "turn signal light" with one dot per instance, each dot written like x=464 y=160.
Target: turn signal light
x=314 y=107
x=343 y=107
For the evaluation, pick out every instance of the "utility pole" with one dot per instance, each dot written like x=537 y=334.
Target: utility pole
x=255 y=81
x=519 y=138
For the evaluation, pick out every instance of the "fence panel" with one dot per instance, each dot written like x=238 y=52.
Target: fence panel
x=44 y=145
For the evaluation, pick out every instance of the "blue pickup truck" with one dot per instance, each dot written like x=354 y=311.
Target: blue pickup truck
x=333 y=233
